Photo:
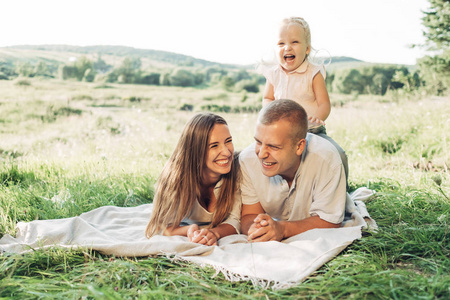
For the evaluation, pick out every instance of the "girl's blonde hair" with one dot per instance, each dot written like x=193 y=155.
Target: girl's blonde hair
x=179 y=183
x=302 y=23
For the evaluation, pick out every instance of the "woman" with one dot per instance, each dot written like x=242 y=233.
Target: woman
x=197 y=192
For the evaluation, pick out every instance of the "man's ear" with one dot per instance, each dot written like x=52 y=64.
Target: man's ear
x=300 y=146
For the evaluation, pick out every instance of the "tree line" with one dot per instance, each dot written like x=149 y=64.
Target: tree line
x=130 y=71
x=366 y=79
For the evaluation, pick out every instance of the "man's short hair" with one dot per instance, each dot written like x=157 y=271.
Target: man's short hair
x=289 y=110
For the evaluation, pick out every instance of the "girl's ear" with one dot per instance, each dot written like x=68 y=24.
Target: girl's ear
x=308 y=50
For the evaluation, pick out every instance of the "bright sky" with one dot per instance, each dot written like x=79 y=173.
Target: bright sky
x=230 y=31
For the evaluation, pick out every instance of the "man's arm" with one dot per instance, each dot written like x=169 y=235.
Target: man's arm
x=248 y=215
x=267 y=229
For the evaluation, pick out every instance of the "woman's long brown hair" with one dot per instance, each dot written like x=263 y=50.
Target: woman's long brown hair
x=178 y=185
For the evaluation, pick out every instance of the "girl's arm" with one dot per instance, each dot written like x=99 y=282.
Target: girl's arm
x=268 y=95
x=322 y=98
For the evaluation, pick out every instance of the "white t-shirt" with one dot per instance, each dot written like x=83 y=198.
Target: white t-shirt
x=201 y=216
x=318 y=188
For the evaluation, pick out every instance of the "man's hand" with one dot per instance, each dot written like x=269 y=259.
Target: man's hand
x=264 y=228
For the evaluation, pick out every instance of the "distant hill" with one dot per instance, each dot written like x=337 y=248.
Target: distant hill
x=56 y=54
x=111 y=54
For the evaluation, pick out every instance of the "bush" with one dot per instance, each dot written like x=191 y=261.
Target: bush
x=182 y=77
x=22 y=82
x=248 y=85
x=187 y=107
x=151 y=79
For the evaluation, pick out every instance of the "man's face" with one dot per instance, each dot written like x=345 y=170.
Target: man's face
x=278 y=153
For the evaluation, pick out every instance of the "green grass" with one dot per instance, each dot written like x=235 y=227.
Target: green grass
x=69 y=147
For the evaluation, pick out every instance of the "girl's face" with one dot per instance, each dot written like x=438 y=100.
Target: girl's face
x=292 y=47
x=219 y=155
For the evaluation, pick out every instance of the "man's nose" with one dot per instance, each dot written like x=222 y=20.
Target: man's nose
x=261 y=152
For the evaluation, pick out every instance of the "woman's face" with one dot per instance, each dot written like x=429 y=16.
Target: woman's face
x=219 y=155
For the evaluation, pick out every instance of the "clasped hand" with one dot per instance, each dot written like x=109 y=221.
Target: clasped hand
x=264 y=228
x=201 y=236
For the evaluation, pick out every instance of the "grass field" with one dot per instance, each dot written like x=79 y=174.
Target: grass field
x=69 y=147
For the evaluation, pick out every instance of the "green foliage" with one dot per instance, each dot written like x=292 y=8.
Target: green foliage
x=182 y=77
x=81 y=70
x=347 y=81
x=376 y=79
x=22 y=82
x=24 y=69
x=250 y=86
x=151 y=79
x=14 y=176
x=129 y=71
x=67 y=72
x=435 y=68
x=437 y=23
x=187 y=107
x=100 y=66
x=227 y=83
x=165 y=79
x=82 y=66
x=53 y=113
x=435 y=71
x=89 y=75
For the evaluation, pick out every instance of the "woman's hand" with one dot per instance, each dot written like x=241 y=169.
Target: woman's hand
x=201 y=236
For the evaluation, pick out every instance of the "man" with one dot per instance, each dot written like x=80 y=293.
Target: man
x=292 y=181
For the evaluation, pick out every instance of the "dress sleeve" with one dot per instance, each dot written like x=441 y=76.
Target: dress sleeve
x=317 y=69
x=267 y=71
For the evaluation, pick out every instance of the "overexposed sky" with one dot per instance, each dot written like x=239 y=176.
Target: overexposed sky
x=231 y=31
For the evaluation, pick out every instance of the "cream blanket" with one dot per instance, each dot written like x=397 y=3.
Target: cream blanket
x=119 y=231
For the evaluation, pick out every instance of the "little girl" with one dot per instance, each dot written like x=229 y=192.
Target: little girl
x=295 y=78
